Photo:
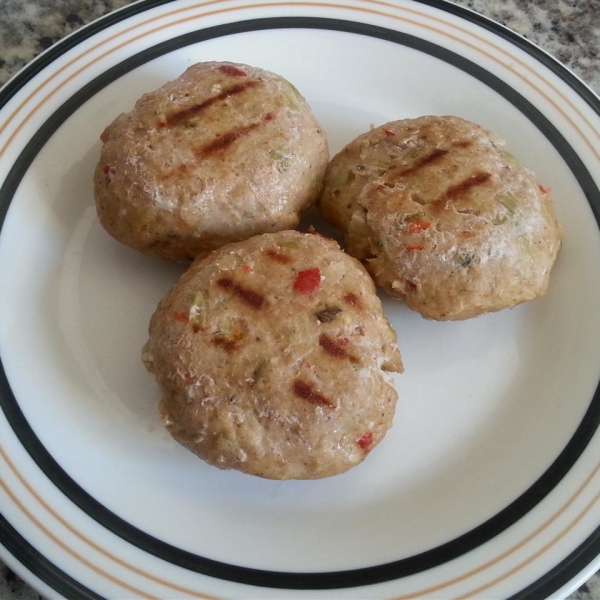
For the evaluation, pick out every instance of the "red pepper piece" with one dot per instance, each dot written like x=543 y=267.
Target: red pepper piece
x=419 y=226
x=352 y=299
x=109 y=171
x=388 y=132
x=366 y=441
x=180 y=317
x=306 y=282
x=190 y=379
x=247 y=268
x=413 y=248
x=544 y=190
x=233 y=71
x=250 y=297
x=304 y=390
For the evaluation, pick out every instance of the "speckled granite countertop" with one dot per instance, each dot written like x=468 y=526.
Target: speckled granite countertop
x=567 y=29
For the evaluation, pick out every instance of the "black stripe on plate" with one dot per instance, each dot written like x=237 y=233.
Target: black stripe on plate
x=504 y=32
x=564 y=572
x=292 y=580
x=49 y=573
x=57 y=50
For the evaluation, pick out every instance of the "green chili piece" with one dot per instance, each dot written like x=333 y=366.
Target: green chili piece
x=508 y=201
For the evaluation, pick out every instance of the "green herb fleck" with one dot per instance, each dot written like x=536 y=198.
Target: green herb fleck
x=197 y=311
x=509 y=201
x=259 y=372
x=292 y=95
x=282 y=157
x=418 y=216
x=509 y=158
x=525 y=245
x=414 y=153
x=342 y=179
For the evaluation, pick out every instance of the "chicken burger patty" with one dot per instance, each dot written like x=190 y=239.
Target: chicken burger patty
x=272 y=356
x=443 y=217
x=222 y=153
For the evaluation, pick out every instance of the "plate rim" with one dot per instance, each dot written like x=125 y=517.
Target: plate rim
x=591 y=547
x=32 y=561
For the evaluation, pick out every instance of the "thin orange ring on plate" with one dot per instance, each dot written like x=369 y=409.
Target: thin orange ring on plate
x=165 y=26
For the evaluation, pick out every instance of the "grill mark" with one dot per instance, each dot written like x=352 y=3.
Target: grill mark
x=253 y=299
x=283 y=259
x=233 y=71
x=460 y=188
x=433 y=157
x=224 y=141
x=334 y=348
x=226 y=283
x=304 y=391
x=183 y=115
x=176 y=172
x=228 y=345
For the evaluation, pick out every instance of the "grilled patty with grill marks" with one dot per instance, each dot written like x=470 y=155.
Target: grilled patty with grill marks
x=443 y=217
x=222 y=153
x=272 y=356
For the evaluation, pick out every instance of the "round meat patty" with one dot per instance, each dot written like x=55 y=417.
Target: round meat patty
x=271 y=355
x=443 y=217
x=220 y=154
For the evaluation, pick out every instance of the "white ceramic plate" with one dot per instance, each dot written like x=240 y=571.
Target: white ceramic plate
x=487 y=486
